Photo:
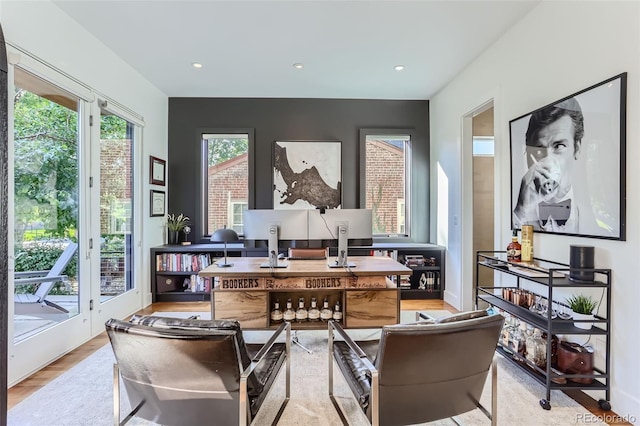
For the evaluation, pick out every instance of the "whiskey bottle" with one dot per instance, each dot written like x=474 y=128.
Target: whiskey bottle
x=326 y=313
x=276 y=313
x=301 y=313
x=337 y=312
x=514 y=248
x=314 y=312
x=289 y=314
x=527 y=243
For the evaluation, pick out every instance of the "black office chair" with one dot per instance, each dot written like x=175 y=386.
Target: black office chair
x=420 y=372
x=194 y=372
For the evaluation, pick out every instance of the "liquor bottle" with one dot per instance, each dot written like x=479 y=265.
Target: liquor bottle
x=326 y=313
x=514 y=248
x=517 y=339
x=527 y=243
x=537 y=349
x=276 y=313
x=289 y=314
x=301 y=313
x=314 y=312
x=337 y=312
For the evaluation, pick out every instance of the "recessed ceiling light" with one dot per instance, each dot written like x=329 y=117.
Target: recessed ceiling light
x=196 y=65
x=398 y=67
x=298 y=66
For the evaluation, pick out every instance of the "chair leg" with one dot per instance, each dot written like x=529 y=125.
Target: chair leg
x=116 y=395
x=331 y=396
x=116 y=400
x=494 y=392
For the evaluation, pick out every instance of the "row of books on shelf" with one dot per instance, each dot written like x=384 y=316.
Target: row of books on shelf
x=386 y=253
x=182 y=262
x=197 y=284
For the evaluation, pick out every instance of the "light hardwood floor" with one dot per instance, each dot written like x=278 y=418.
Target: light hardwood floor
x=30 y=385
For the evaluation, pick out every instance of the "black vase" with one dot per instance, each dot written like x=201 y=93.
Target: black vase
x=174 y=237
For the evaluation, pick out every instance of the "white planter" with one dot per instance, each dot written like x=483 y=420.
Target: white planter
x=582 y=325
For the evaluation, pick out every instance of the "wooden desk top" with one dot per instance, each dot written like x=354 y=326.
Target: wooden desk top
x=365 y=266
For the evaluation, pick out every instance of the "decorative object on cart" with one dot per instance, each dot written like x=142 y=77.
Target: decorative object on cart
x=557 y=192
x=175 y=224
x=574 y=358
x=580 y=262
x=224 y=235
x=582 y=307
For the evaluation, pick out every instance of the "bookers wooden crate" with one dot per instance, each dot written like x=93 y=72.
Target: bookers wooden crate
x=248 y=283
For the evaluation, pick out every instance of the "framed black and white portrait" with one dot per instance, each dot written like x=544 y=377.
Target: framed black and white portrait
x=568 y=164
x=307 y=174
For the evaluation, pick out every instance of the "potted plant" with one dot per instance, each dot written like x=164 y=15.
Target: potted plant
x=175 y=224
x=582 y=307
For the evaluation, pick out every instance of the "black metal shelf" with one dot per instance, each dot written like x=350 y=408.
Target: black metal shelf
x=545 y=272
x=542 y=378
x=556 y=326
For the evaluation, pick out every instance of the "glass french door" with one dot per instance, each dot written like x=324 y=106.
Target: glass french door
x=73 y=197
x=115 y=147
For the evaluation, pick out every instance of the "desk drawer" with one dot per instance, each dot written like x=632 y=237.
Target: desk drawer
x=248 y=307
x=371 y=308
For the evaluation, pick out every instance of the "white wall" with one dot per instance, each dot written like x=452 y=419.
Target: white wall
x=557 y=49
x=43 y=30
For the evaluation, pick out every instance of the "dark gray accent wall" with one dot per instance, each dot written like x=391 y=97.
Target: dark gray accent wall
x=292 y=119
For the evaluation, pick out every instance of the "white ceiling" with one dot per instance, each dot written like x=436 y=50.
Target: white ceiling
x=248 y=48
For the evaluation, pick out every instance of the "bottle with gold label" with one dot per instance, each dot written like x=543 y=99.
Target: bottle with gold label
x=326 y=313
x=289 y=314
x=301 y=313
x=276 y=313
x=314 y=312
x=337 y=312
x=513 y=249
x=526 y=251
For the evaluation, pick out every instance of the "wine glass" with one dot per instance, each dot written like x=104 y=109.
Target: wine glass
x=563 y=311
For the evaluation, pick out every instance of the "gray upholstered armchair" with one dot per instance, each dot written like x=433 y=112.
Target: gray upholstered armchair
x=419 y=372
x=194 y=372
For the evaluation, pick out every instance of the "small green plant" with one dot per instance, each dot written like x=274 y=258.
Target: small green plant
x=177 y=223
x=582 y=304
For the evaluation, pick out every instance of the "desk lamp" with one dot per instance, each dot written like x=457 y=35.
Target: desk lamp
x=224 y=235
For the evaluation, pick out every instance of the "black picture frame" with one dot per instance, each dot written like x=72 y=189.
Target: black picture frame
x=157 y=171
x=157 y=203
x=307 y=174
x=570 y=185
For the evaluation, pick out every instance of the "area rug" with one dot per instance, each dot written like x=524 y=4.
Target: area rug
x=83 y=395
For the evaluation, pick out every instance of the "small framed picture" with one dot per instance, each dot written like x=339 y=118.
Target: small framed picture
x=157 y=203
x=157 y=170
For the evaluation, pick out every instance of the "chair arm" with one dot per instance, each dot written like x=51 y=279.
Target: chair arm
x=348 y=340
x=374 y=398
x=423 y=316
x=36 y=280
x=265 y=348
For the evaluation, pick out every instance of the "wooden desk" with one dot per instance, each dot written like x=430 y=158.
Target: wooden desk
x=247 y=292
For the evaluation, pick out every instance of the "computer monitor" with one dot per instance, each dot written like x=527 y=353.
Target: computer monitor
x=275 y=226
x=346 y=226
